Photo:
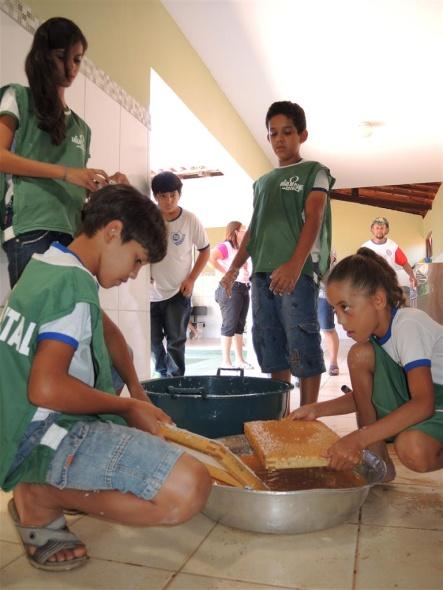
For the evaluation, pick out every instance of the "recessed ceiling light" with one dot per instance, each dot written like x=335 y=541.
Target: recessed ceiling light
x=365 y=129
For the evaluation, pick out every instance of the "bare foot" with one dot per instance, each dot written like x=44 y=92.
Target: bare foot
x=390 y=471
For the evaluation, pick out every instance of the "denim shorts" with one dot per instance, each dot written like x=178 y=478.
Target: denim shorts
x=36 y=430
x=325 y=314
x=285 y=329
x=106 y=456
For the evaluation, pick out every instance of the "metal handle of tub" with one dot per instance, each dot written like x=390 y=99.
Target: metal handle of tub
x=175 y=391
x=236 y=369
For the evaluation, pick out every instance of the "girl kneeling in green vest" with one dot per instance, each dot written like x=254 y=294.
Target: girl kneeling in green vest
x=396 y=369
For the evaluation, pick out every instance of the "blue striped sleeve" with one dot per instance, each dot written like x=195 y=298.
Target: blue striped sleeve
x=60 y=337
x=417 y=363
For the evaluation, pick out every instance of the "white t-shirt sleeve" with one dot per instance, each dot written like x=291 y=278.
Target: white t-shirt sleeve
x=69 y=329
x=8 y=104
x=199 y=235
x=321 y=182
x=414 y=344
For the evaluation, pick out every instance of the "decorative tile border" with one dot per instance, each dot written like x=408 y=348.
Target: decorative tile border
x=22 y=15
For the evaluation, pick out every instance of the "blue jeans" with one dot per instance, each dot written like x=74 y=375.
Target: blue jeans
x=325 y=315
x=20 y=249
x=169 y=320
x=285 y=330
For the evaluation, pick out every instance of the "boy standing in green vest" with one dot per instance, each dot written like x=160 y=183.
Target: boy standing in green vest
x=289 y=241
x=68 y=442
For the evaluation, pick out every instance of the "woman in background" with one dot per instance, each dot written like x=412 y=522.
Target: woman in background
x=233 y=309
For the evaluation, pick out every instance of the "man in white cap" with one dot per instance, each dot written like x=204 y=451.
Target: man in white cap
x=389 y=250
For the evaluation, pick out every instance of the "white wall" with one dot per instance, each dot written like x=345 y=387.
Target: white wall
x=119 y=142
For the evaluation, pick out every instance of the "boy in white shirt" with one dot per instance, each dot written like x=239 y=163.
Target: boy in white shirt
x=173 y=278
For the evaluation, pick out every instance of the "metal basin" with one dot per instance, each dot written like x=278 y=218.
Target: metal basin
x=301 y=511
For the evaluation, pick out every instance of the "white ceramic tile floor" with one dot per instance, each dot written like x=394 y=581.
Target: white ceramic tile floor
x=395 y=542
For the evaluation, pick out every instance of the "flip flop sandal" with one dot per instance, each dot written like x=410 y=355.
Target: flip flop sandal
x=73 y=512
x=49 y=540
x=245 y=365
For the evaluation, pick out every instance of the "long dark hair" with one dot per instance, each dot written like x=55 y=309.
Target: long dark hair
x=55 y=33
x=231 y=233
x=367 y=271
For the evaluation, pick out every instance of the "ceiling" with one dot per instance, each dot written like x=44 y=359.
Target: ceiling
x=348 y=63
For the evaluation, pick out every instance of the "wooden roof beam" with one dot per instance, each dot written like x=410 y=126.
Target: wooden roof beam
x=396 y=197
x=401 y=206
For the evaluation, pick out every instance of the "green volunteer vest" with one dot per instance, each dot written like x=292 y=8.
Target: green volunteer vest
x=44 y=293
x=45 y=203
x=390 y=391
x=279 y=201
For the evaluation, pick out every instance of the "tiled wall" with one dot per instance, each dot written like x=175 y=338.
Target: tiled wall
x=204 y=294
x=119 y=142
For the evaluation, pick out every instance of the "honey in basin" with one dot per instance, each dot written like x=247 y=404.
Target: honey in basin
x=285 y=444
x=288 y=455
x=304 y=478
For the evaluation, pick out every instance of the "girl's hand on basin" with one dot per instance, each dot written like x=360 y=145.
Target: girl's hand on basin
x=308 y=412
x=346 y=453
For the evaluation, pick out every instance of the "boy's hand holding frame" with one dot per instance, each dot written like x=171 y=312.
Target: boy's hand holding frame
x=145 y=416
x=51 y=386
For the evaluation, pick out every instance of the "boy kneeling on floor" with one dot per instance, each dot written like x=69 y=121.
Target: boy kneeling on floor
x=68 y=442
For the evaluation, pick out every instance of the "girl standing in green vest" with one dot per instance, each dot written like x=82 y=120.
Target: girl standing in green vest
x=44 y=148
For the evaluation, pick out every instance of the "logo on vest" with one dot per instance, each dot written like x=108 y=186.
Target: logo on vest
x=15 y=331
x=291 y=184
x=178 y=238
x=79 y=141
